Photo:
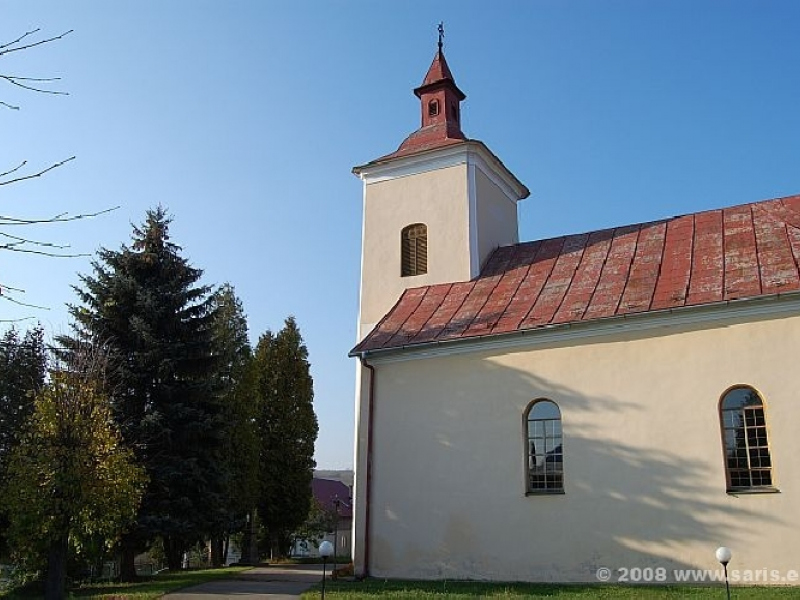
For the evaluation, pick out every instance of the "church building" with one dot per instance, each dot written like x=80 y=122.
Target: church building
x=541 y=411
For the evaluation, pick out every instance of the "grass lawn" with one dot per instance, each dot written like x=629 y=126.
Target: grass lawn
x=146 y=589
x=463 y=590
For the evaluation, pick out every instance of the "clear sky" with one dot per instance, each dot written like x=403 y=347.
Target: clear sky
x=244 y=118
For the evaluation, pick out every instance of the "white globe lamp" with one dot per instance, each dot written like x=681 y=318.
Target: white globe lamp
x=724 y=555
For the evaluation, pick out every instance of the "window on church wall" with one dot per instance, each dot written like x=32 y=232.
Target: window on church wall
x=544 y=449
x=748 y=463
x=414 y=250
x=433 y=108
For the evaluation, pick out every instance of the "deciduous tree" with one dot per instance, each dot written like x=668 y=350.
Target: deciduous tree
x=320 y=521
x=23 y=365
x=70 y=478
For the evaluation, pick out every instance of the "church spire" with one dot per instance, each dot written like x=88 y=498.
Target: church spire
x=439 y=95
x=440 y=106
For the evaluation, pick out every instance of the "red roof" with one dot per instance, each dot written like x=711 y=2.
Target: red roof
x=329 y=492
x=439 y=73
x=702 y=258
x=442 y=129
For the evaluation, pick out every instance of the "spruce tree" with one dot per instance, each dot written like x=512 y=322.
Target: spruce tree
x=145 y=303
x=288 y=429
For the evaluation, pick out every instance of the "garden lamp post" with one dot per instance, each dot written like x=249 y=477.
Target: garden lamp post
x=336 y=504
x=325 y=551
x=724 y=557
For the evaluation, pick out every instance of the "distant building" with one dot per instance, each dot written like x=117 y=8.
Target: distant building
x=621 y=399
x=343 y=475
x=336 y=498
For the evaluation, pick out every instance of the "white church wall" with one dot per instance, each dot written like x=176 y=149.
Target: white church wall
x=437 y=198
x=496 y=218
x=643 y=458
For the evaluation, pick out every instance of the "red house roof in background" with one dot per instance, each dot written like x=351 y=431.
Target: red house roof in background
x=327 y=491
x=712 y=256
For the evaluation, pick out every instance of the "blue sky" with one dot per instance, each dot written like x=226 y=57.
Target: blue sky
x=244 y=118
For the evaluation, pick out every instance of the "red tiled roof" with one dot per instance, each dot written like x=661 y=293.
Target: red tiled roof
x=706 y=257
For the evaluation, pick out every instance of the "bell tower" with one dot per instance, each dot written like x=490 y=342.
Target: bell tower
x=435 y=208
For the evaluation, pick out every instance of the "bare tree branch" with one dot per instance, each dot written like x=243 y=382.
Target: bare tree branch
x=15 y=169
x=14 y=248
x=14 y=80
x=9 y=47
x=13 y=289
x=20 y=78
x=26 y=82
x=20 y=240
x=4 y=289
x=20 y=303
x=20 y=38
x=18 y=173
x=32 y=175
x=59 y=218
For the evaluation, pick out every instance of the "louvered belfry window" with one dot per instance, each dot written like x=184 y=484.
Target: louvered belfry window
x=414 y=250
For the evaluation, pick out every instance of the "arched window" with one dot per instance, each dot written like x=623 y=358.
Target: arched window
x=414 y=250
x=545 y=448
x=433 y=108
x=748 y=464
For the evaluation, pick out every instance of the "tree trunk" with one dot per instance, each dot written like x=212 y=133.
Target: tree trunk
x=280 y=545
x=56 y=570
x=216 y=552
x=127 y=567
x=225 y=547
x=250 y=551
x=173 y=547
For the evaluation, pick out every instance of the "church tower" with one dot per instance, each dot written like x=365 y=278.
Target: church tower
x=434 y=210
x=436 y=207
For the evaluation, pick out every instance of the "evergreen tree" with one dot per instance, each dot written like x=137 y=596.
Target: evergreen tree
x=69 y=478
x=23 y=364
x=144 y=301
x=238 y=394
x=288 y=429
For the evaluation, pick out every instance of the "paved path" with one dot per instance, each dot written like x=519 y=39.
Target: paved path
x=285 y=582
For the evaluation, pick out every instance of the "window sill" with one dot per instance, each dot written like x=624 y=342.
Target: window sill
x=546 y=493
x=750 y=491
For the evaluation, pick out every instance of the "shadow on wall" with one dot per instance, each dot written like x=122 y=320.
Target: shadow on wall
x=633 y=498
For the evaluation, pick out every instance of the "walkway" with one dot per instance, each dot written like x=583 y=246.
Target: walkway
x=281 y=582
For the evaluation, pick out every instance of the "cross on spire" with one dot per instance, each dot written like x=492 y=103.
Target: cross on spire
x=441 y=34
